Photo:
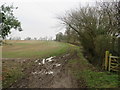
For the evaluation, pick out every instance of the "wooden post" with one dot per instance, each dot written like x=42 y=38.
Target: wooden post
x=109 y=62
x=106 y=59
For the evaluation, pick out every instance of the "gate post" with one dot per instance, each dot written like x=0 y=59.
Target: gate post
x=109 y=62
x=106 y=59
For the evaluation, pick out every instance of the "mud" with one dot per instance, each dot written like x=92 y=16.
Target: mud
x=51 y=72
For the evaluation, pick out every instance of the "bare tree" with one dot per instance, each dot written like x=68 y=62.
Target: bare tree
x=95 y=26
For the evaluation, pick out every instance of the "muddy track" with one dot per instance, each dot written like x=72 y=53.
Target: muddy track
x=47 y=73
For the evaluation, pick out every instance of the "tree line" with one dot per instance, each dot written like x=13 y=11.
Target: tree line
x=96 y=28
x=29 y=38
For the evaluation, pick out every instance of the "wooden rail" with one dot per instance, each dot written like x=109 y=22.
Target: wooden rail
x=112 y=63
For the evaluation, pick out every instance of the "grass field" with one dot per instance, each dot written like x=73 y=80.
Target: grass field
x=33 y=49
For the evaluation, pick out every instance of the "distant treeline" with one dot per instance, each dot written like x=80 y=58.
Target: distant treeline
x=96 y=28
x=30 y=38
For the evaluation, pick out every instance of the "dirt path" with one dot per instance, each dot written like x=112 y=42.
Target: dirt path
x=48 y=73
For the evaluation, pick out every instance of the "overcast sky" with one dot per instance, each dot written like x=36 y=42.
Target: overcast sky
x=38 y=17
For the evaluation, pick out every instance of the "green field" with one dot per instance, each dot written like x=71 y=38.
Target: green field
x=33 y=49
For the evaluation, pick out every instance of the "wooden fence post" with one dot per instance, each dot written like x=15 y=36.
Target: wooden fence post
x=106 y=59
x=109 y=62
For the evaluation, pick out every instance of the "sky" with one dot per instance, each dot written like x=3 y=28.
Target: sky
x=39 y=17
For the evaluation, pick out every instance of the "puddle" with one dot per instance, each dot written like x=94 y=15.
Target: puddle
x=50 y=59
x=42 y=72
x=43 y=61
x=39 y=63
x=36 y=60
x=46 y=68
x=34 y=72
x=57 y=65
x=50 y=72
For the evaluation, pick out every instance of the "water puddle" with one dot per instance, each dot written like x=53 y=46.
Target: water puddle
x=43 y=61
x=48 y=66
x=39 y=63
x=50 y=59
x=49 y=72
x=57 y=65
x=42 y=72
x=36 y=60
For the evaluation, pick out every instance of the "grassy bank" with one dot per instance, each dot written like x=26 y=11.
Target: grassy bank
x=89 y=75
x=27 y=51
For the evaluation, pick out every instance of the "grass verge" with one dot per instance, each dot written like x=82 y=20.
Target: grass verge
x=90 y=76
